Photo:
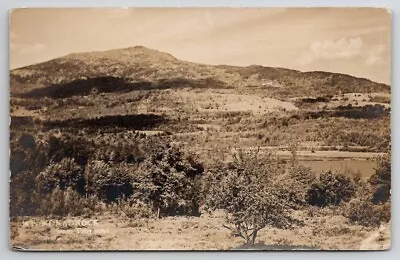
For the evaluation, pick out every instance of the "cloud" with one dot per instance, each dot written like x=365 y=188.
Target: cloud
x=343 y=48
x=375 y=55
x=23 y=48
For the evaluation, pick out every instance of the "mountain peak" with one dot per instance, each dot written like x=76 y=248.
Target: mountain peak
x=141 y=51
x=124 y=54
x=139 y=48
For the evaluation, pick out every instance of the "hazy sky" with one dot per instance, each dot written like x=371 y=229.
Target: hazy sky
x=345 y=40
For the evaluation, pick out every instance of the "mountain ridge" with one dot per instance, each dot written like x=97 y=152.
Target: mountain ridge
x=141 y=64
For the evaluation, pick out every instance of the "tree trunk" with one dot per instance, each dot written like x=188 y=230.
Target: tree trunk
x=253 y=237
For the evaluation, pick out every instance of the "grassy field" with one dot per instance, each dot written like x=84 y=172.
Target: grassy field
x=110 y=232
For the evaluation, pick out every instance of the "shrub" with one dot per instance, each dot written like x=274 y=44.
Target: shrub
x=107 y=182
x=69 y=146
x=67 y=202
x=27 y=141
x=23 y=201
x=381 y=180
x=245 y=190
x=297 y=182
x=363 y=212
x=330 y=189
x=64 y=174
x=136 y=209
x=168 y=181
x=26 y=154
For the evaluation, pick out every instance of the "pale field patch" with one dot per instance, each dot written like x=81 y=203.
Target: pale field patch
x=213 y=101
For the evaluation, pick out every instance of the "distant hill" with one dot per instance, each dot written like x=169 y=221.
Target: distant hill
x=141 y=68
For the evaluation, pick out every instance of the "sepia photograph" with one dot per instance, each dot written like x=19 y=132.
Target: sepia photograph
x=200 y=129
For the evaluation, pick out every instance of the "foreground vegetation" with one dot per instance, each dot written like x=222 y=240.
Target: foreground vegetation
x=153 y=178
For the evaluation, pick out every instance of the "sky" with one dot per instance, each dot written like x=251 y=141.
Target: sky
x=355 y=41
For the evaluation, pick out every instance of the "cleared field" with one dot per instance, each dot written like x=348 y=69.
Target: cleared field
x=109 y=232
x=209 y=101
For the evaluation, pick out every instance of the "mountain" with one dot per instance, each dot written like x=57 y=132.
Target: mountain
x=140 y=68
x=136 y=89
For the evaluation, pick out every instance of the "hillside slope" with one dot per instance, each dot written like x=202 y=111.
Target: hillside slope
x=140 y=68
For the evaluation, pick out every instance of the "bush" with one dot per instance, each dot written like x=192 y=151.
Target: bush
x=136 y=209
x=107 y=182
x=330 y=189
x=168 y=181
x=297 y=182
x=26 y=154
x=23 y=196
x=381 y=180
x=64 y=174
x=371 y=207
x=69 y=146
x=363 y=212
x=246 y=191
x=67 y=202
x=27 y=141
